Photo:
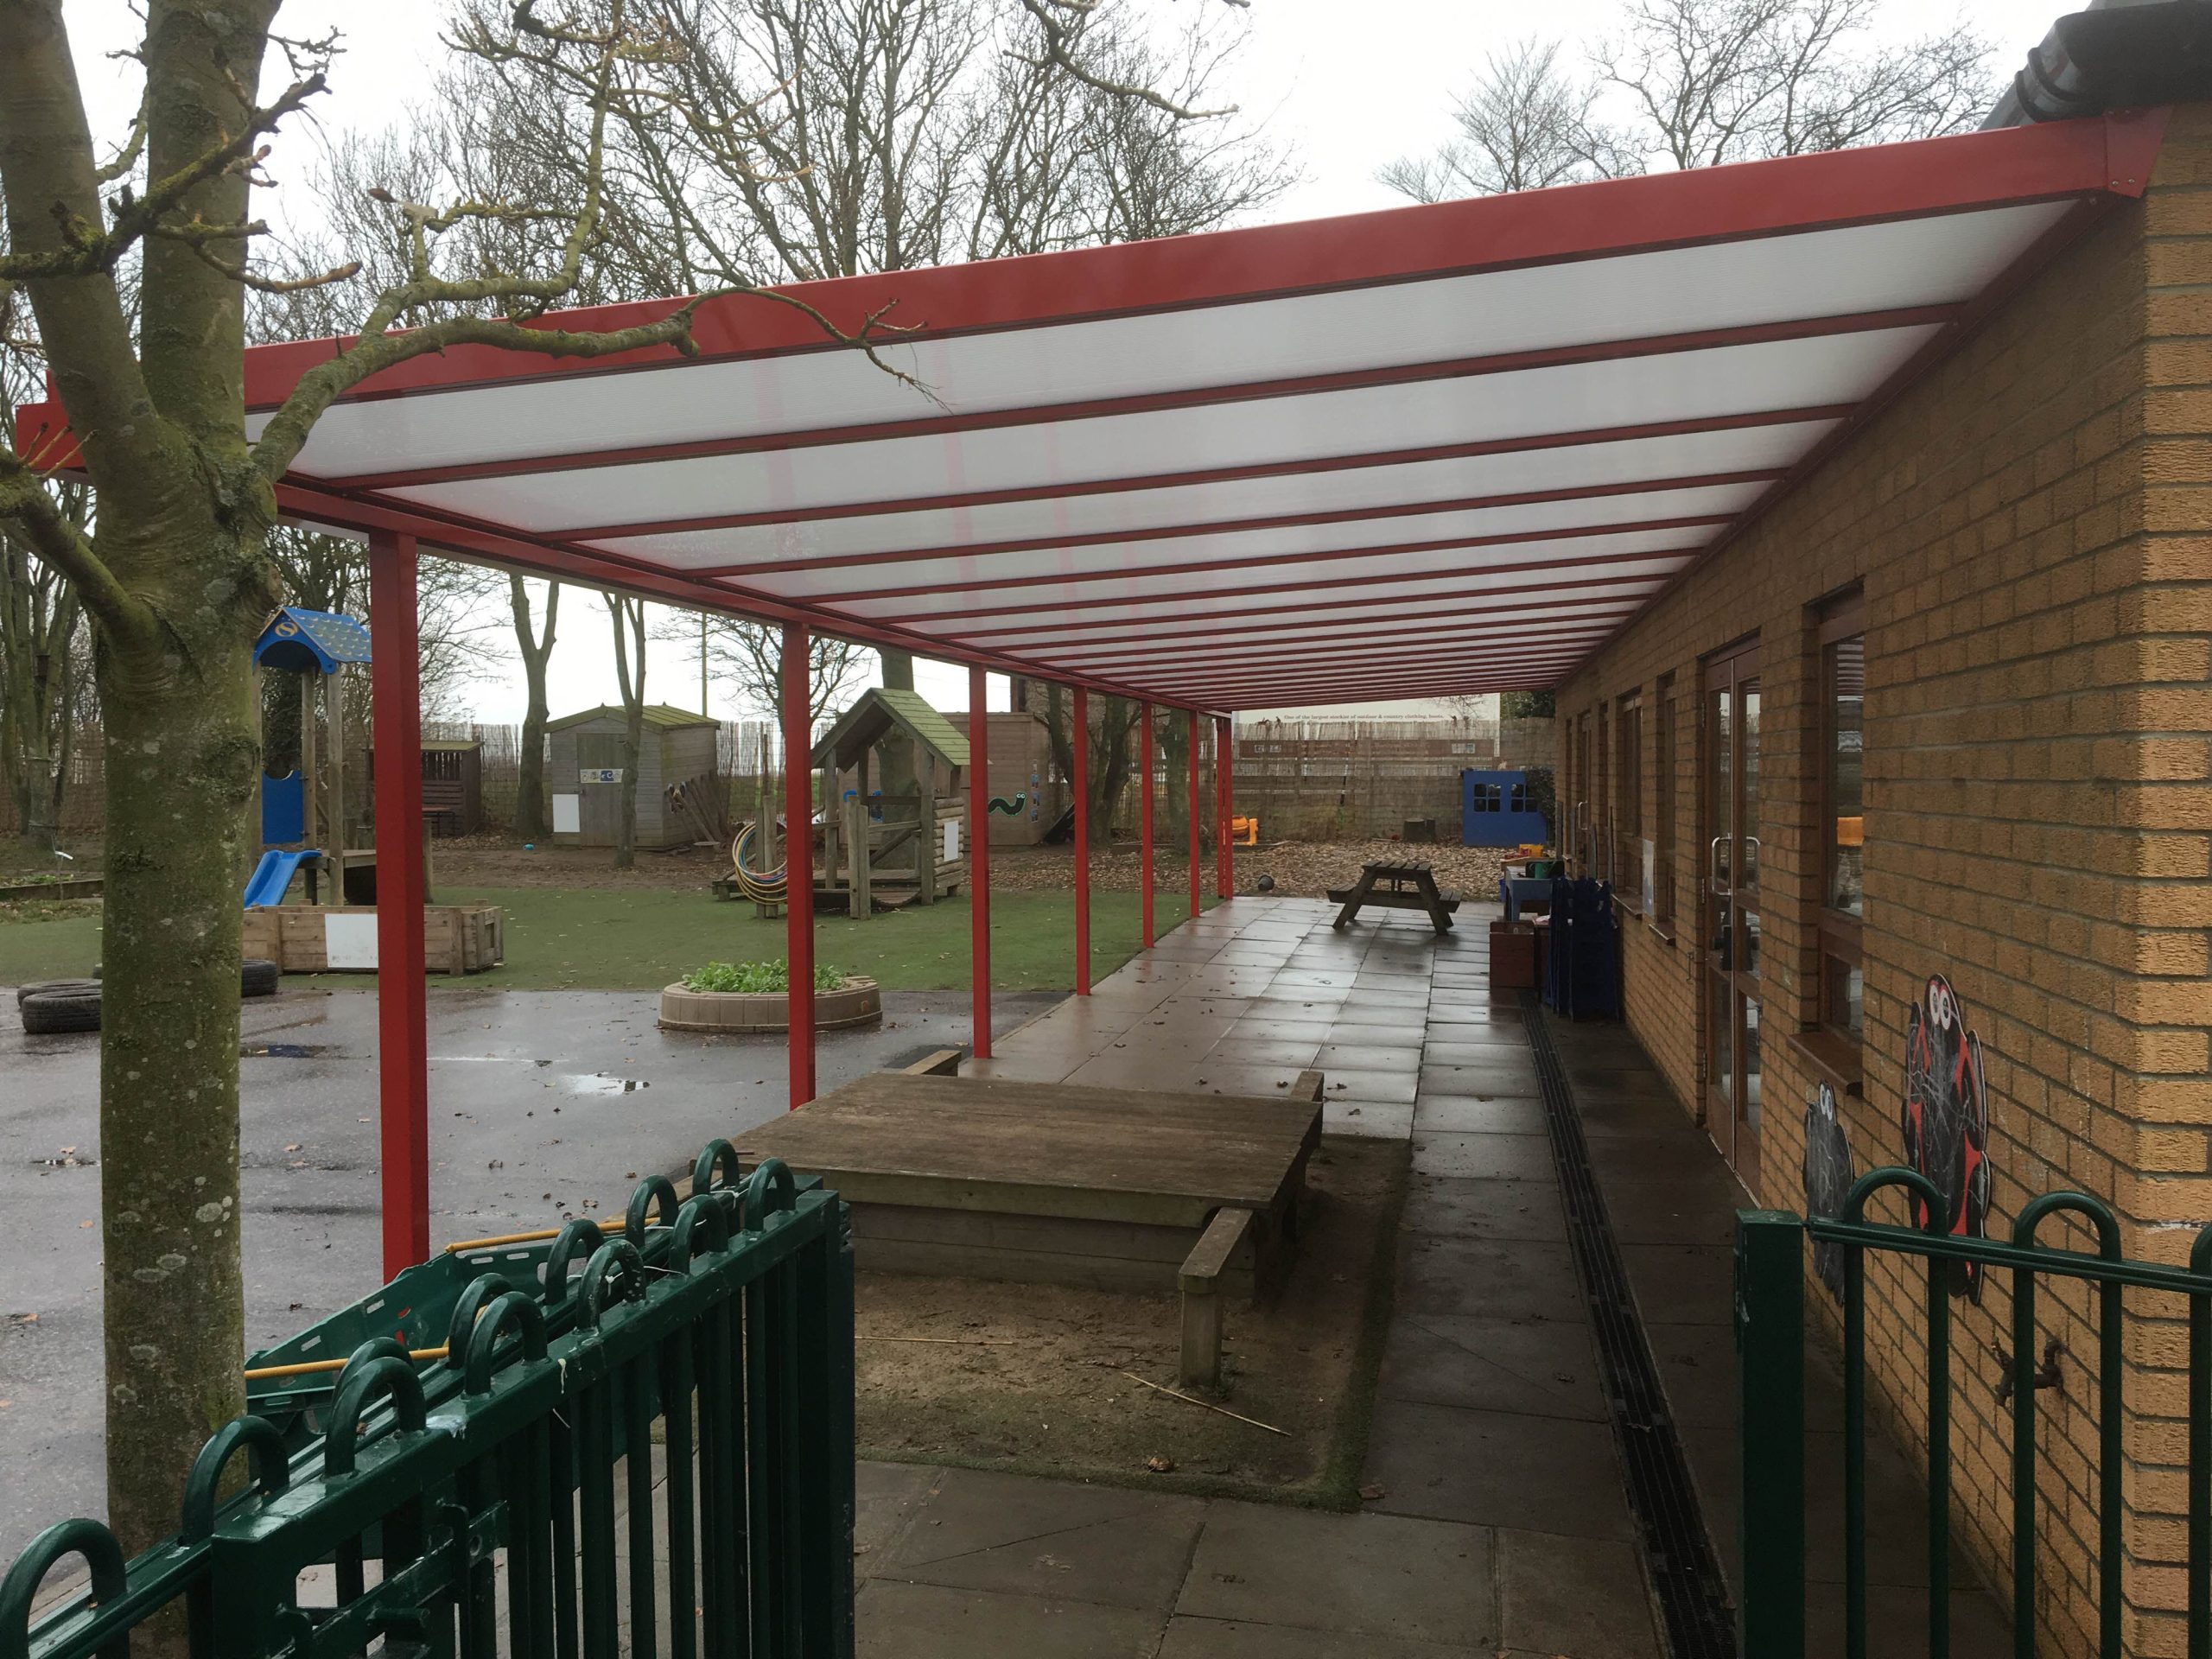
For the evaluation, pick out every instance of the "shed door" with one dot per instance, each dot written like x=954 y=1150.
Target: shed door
x=601 y=808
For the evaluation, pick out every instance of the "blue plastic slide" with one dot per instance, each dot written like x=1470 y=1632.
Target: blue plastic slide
x=273 y=875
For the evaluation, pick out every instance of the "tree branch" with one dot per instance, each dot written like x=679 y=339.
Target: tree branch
x=1057 y=53
x=23 y=498
x=326 y=383
x=86 y=250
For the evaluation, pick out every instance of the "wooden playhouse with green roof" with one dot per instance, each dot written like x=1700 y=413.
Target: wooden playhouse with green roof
x=895 y=820
x=585 y=774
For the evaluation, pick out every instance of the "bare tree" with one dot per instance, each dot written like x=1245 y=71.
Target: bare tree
x=176 y=576
x=1524 y=125
x=45 y=647
x=748 y=657
x=1705 y=82
x=1732 y=80
x=796 y=139
x=628 y=615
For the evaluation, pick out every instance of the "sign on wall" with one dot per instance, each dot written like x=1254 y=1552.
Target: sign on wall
x=1829 y=1171
x=600 y=775
x=1946 y=1120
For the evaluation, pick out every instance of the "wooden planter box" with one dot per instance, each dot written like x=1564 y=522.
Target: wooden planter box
x=340 y=939
x=858 y=1003
x=68 y=887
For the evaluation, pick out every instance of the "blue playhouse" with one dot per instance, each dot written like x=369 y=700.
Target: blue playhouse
x=1496 y=811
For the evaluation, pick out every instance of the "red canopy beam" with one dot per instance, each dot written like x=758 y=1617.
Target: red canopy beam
x=1144 y=831
x=1197 y=868
x=979 y=857
x=1080 y=749
x=2096 y=156
x=402 y=1037
x=798 y=857
x=1225 y=802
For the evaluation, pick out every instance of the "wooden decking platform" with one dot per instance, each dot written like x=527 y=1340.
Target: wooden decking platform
x=997 y=1178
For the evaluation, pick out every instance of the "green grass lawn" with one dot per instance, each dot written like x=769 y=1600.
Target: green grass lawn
x=641 y=938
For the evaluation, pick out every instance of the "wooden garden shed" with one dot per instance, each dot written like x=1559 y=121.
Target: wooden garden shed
x=872 y=850
x=584 y=768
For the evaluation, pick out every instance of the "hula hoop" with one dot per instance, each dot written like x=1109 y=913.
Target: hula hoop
x=764 y=886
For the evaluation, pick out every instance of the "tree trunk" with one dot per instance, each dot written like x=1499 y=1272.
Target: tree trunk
x=530 y=765
x=629 y=616
x=180 y=758
x=625 y=843
x=898 y=777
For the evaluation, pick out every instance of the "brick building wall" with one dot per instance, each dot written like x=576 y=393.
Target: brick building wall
x=2031 y=525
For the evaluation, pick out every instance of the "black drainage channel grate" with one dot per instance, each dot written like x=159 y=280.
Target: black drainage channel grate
x=1692 y=1596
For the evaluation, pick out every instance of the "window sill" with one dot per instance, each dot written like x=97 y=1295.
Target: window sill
x=1665 y=932
x=1836 y=1058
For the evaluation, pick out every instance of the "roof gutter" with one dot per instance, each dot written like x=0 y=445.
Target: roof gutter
x=2119 y=55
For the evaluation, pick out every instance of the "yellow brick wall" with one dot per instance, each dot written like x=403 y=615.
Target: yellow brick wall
x=2033 y=525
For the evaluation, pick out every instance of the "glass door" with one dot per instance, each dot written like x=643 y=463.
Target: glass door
x=1730 y=979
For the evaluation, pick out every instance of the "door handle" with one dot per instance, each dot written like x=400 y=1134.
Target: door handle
x=1713 y=881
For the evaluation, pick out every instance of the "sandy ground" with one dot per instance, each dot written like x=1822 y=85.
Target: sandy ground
x=1036 y=1377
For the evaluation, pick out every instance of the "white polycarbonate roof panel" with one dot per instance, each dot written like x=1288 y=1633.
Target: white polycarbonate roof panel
x=1492 y=408
x=1241 y=549
x=1106 y=514
x=1448 y=448
x=1780 y=278
x=1055 y=596
x=1430 y=602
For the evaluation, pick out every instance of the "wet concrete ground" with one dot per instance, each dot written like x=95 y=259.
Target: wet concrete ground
x=539 y=1102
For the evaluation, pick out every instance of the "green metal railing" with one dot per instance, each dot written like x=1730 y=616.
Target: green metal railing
x=1770 y=1335
x=651 y=1456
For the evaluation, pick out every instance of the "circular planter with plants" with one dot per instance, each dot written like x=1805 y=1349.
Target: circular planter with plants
x=745 y=996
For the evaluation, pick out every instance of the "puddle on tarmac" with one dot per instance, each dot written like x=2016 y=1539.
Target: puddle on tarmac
x=598 y=1083
x=284 y=1051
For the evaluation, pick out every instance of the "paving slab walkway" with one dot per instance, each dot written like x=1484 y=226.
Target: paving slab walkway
x=1500 y=1525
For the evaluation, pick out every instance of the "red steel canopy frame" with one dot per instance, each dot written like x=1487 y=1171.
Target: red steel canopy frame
x=1434 y=451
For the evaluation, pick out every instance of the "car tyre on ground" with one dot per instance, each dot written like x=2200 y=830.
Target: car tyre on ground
x=40 y=985
x=47 y=1012
x=258 y=977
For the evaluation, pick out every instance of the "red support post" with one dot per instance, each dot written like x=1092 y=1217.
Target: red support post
x=402 y=1034
x=1144 y=830
x=1080 y=747
x=1224 y=804
x=1197 y=868
x=799 y=858
x=979 y=857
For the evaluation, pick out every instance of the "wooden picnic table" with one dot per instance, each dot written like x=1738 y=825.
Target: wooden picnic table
x=1396 y=884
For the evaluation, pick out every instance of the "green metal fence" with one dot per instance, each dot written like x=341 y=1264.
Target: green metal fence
x=1769 y=1334
x=651 y=1456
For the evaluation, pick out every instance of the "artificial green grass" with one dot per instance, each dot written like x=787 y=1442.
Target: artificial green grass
x=642 y=939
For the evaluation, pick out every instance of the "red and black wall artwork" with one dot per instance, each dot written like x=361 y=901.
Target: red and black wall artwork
x=1946 y=1122
x=1829 y=1173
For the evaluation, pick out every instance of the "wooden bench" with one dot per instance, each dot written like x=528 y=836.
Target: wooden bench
x=945 y=1063
x=1232 y=1236
x=1396 y=884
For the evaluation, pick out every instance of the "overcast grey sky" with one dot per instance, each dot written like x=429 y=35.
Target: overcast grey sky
x=1349 y=84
